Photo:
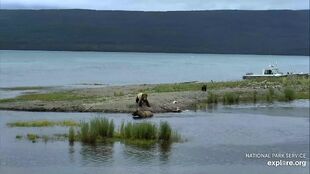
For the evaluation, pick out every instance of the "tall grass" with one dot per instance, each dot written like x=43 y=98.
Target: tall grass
x=96 y=128
x=254 y=96
x=212 y=98
x=230 y=98
x=71 y=135
x=142 y=131
x=111 y=129
x=103 y=128
x=289 y=94
x=165 y=131
x=270 y=95
x=84 y=132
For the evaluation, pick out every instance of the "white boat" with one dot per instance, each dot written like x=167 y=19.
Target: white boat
x=272 y=71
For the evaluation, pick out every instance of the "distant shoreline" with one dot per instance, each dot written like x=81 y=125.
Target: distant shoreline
x=266 y=32
x=101 y=51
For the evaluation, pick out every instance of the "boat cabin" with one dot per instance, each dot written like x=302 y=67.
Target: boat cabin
x=271 y=70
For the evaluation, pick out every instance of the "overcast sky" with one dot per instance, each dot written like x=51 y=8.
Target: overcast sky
x=156 y=5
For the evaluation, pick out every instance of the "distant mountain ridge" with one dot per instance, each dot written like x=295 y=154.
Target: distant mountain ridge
x=272 y=32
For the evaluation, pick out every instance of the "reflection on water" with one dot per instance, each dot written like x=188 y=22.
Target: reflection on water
x=165 y=149
x=142 y=155
x=96 y=155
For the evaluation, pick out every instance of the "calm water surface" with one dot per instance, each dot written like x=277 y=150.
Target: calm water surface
x=217 y=141
x=50 y=68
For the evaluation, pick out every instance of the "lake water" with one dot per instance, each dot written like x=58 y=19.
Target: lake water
x=53 y=68
x=217 y=142
x=217 y=139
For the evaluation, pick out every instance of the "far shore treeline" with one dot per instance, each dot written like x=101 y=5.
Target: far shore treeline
x=273 y=32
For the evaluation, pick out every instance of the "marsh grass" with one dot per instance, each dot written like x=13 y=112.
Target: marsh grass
x=165 y=131
x=43 y=123
x=289 y=94
x=71 y=135
x=142 y=131
x=254 y=96
x=230 y=98
x=84 y=131
x=212 y=98
x=270 y=95
x=32 y=137
x=18 y=136
x=96 y=128
x=104 y=129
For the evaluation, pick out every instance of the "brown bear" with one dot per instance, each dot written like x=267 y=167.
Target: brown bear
x=142 y=114
x=142 y=99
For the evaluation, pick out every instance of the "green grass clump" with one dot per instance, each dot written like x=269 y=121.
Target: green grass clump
x=42 y=123
x=230 y=98
x=289 y=94
x=142 y=131
x=96 y=128
x=165 y=131
x=102 y=128
x=212 y=98
x=254 y=96
x=111 y=129
x=84 y=132
x=71 y=135
x=270 y=95
x=18 y=136
x=32 y=137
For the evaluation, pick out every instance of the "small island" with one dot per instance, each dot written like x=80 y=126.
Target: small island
x=162 y=97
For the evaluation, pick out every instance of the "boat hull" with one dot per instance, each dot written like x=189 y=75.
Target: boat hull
x=274 y=76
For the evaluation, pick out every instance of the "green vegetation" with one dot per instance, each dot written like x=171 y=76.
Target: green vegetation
x=165 y=131
x=19 y=137
x=230 y=98
x=144 y=132
x=177 y=87
x=139 y=131
x=212 y=98
x=96 y=128
x=254 y=96
x=32 y=137
x=71 y=135
x=289 y=94
x=42 y=123
x=50 y=96
x=270 y=95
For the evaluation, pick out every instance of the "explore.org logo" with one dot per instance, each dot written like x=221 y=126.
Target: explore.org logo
x=281 y=159
x=287 y=163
